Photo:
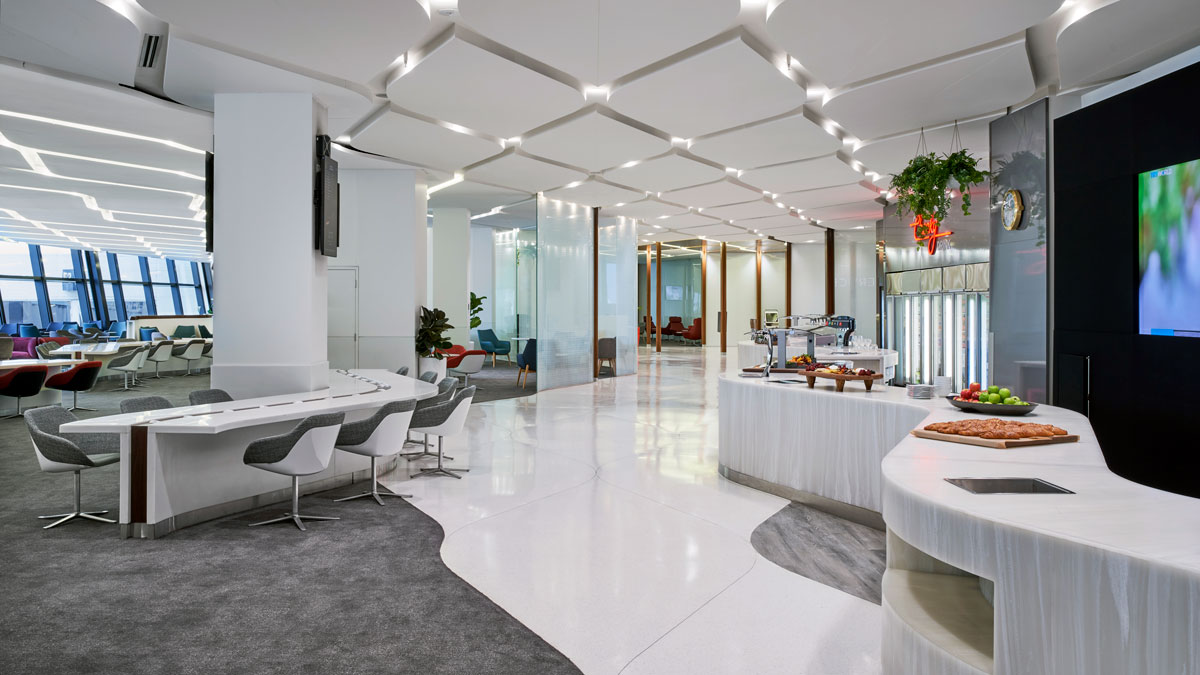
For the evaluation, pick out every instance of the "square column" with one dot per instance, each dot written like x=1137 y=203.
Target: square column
x=451 y=265
x=269 y=281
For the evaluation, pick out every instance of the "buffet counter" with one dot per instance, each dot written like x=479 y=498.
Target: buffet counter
x=884 y=361
x=181 y=466
x=1104 y=580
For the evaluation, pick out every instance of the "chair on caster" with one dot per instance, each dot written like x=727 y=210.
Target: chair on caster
x=303 y=451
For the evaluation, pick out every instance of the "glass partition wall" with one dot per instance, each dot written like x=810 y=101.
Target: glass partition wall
x=515 y=267
x=616 y=293
x=564 y=293
x=681 y=288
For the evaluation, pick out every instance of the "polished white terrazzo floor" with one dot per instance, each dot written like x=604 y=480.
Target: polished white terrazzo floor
x=595 y=516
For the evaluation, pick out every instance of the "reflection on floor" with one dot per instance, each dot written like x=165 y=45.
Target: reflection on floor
x=825 y=548
x=595 y=516
x=499 y=382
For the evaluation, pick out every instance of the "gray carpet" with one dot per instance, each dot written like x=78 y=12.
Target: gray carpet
x=500 y=382
x=366 y=594
x=825 y=548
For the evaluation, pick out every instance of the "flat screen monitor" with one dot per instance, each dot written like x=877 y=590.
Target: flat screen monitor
x=1169 y=251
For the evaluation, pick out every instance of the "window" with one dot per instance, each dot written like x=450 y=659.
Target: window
x=15 y=260
x=184 y=273
x=164 y=300
x=66 y=287
x=129 y=267
x=135 y=300
x=158 y=270
x=20 y=301
x=187 y=294
x=110 y=297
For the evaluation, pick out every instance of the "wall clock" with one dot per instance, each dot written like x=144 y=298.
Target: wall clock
x=1011 y=209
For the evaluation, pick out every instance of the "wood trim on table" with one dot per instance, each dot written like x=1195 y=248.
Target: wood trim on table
x=596 y=293
x=758 y=317
x=703 y=292
x=787 y=275
x=829 y=272
x=724 y=321
x=138 y=469
x=658 y=295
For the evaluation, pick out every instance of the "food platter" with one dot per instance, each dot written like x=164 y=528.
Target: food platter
x=991 y=408
x=839 y=379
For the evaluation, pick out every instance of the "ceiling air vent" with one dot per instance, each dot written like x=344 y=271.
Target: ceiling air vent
x=149 y=51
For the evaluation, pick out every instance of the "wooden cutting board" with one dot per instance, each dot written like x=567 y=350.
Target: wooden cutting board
x=1000 y=443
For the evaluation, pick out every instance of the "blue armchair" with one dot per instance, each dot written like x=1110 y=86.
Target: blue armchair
x=527 y=362
x=493 y=345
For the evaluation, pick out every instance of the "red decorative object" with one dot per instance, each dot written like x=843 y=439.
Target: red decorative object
x=927 y=231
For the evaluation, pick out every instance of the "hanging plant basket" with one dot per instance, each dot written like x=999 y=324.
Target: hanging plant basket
x=923 y=188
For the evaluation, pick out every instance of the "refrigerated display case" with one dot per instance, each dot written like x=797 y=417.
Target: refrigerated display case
x=938 y=334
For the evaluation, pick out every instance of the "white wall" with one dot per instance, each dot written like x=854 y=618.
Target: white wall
x=739 y=293
x=270 y=282
x=854 y=279
x=451 y=269
x=383 y=235
x=808 y=278
x=482 y=272
x=774 y=282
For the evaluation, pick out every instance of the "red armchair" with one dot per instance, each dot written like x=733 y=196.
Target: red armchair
x=693 y=331
x=22 y=381
x=674 y=326
x=454 y=355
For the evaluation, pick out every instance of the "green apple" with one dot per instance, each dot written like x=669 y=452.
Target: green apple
x=1004 y=393
x=993 y=398
x=993 y=389
x=1008 y=400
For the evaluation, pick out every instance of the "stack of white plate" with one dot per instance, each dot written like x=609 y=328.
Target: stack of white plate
x=922 y=391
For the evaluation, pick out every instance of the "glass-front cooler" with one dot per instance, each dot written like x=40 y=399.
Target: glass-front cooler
x=938 y=334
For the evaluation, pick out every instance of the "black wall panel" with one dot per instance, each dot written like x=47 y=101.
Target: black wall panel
x=1140 y=395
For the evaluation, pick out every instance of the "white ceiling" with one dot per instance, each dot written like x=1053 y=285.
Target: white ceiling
x=644 y=103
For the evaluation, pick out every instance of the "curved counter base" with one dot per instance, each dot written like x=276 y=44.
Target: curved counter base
x=1102 y=581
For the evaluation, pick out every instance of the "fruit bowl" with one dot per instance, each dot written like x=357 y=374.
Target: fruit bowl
x=992 y=408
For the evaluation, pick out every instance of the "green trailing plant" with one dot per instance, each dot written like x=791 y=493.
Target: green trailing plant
x=923 y=187
x=475 y=308
x=431 y=333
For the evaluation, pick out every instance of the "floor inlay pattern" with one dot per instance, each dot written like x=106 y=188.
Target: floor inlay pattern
x=824 y=548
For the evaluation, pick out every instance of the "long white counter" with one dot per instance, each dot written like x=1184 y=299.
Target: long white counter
x=1106 y=580
x=184 y=465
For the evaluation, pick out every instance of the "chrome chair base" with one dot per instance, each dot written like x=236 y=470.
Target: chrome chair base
x=424 y=451
x=373 y=493
x=66 y=517
x=297 y=518
x=440 y=471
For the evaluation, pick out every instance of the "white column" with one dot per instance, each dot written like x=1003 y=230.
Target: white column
x=451 y=262
x=383 y=237
x=270 y=282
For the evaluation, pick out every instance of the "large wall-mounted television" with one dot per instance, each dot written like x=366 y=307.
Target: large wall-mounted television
x=1169 y=251
x=325 y=199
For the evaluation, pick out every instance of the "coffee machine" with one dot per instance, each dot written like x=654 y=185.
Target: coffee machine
x=843 y=327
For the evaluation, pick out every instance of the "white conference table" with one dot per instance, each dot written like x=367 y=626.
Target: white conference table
x=105 y=351
x=182 y=466
x=46 y=396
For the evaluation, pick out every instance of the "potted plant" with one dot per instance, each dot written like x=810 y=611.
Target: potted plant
x=431 y=336
x=925 y=187
x=473 y=310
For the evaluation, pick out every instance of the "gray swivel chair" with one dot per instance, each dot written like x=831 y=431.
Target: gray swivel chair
x=159 y=353
x=380 y=435
x=428 y=376
x=145 y=403
x=207 y=396
x=606 y=350
x=192 y=350
x=45 y=348
x=303 y=451
x=6 y=347
x=402 y=370
x=125 y=362
x=445 y=419
x=445 y=392
x=59 y=453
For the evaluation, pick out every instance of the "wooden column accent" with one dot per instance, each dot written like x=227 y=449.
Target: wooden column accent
x=658 y=295
x=138 y=469
x=704 y=292
x=649 y=336
x=787 y=274
x=724 y=310
x=758 y=316
x=596 y=292
x=829 y=272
